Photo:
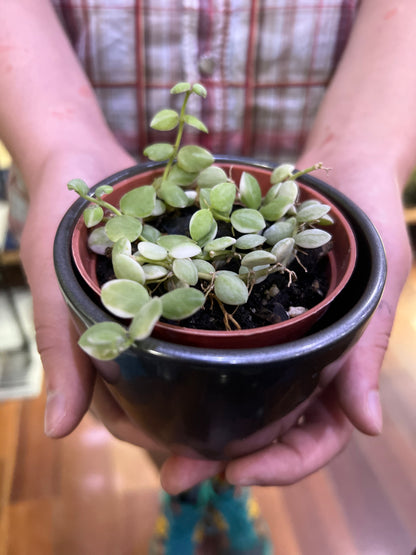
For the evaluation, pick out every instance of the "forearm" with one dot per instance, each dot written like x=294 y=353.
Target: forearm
x=47 y=106
x=369 y=112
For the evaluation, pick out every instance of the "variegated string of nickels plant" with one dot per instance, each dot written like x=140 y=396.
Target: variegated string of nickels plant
x=172 y=276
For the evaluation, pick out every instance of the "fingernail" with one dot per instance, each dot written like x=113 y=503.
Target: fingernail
x=54 y=412
x=374 y=410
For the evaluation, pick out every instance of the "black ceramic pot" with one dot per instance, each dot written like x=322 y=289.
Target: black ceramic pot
x=220 y=403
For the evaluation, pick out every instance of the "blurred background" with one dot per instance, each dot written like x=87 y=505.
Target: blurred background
x=92 y=494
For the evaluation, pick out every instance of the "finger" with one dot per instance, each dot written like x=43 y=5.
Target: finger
x=105 y=407
x=299 y=452
x=68 y=372
x=181 y=473
x=357 y=383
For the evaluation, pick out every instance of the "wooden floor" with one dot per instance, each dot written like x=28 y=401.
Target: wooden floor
x=90 y=494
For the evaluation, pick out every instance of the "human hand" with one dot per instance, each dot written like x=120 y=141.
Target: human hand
x=348 y=393
x=71 y=380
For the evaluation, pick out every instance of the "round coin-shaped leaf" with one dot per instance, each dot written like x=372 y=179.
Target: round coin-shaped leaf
x=126 y=267
x=139 y=202
x=151 y=251
x=159 y=151
x=230 y=289
x=98 y=241
x=165 y=120
x=123 y=297
x=247 y=220
x=182 y=303
x=185 y=270
x=123 y=226
x=104 y=341
x=194 y=158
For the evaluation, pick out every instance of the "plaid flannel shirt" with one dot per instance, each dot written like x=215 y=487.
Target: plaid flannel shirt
x=265 y=64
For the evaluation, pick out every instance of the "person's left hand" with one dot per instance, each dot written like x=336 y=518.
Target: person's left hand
x=348 y=395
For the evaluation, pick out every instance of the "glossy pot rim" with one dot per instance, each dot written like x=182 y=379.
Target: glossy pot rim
x=327 y=338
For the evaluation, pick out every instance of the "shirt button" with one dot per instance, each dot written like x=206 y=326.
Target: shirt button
x=206 y=64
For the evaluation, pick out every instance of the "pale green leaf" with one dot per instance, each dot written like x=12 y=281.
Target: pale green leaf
x=326 y=220
x=194 y=158
x=250 y=192
x=219 y=244
x=222 y=197
x=186 y=250
x=272 y=193
x=284 y=251
x=247 y=220
x=200 y=90
x=250 y=241
x=201 y=224
x=195 y=122
x=182 y=303
x=123 y=297
x=204 y=198
x=103 y=190
x=126 y=267
x=152 y=251
x=179 y=246
x=205 y=268
x=104 y=341
x=281 y=173
x=159 y=152
x=308 y=202
x=312 y=238
x=276 y=209
x=185 y=270
x=180 y=177
x=79 y=186
x=313 y=212
x=98 y=241
x=258 y=273
x=139 y=202
x=211 y=176
x=258 y=258
x=173 y=195
x=123 y=226
x=180 y=88
x=280 y=230
x=289 y=190
x=165 y=120
x=145 y=320
x=154 y=272
x=160 y=208
x=150 y=233
x=122 y=246
x=230 y=289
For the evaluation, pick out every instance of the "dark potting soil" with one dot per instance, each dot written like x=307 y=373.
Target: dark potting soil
x=269 y=301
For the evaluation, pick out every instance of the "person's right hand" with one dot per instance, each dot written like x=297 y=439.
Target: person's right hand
x=71 y=382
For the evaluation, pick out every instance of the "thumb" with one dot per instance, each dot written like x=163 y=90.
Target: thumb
x=69 y=373
x=357 y=383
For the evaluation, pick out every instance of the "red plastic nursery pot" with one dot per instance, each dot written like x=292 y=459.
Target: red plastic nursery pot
x=201 y=396
x=341 y=263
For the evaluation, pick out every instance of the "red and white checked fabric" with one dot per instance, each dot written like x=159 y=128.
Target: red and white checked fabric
x=265 y=64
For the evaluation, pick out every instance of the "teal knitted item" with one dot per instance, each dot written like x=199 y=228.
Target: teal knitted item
x=176 y=530
x=246 y=530
x=213 y=517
